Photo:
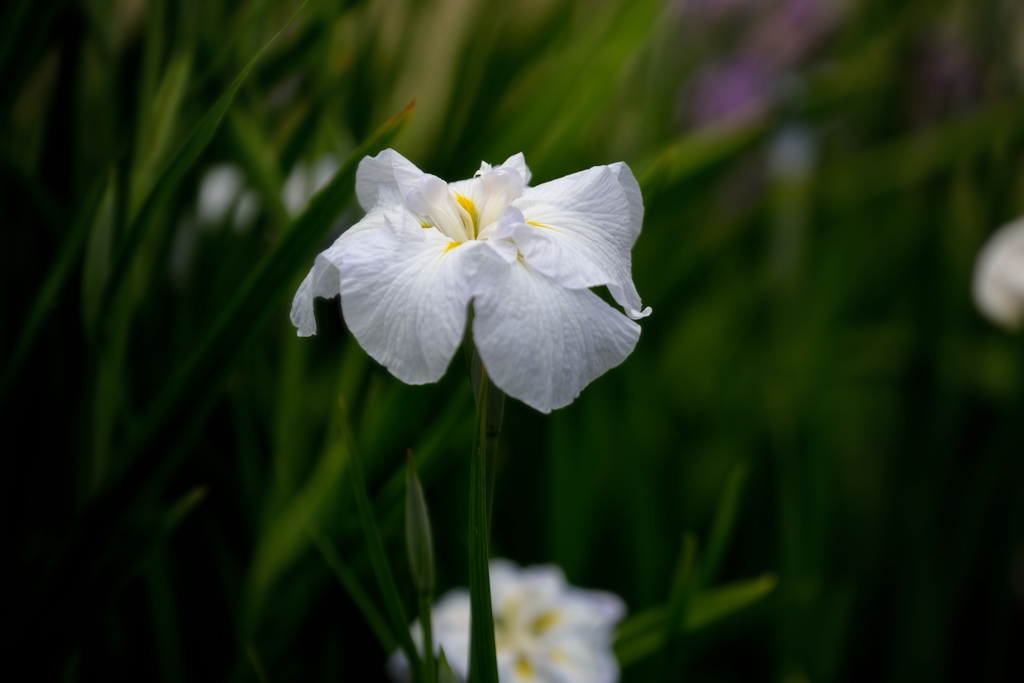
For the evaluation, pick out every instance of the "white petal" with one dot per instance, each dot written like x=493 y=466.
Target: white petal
x=324 y=279
x=579 y=232
x=590 y=614
x=578 y=661
x=518 y=162
x=431 y=197
x=389 y=168
x=540 y=342
x=404 y=295
x=450 y=619
x=631 y=188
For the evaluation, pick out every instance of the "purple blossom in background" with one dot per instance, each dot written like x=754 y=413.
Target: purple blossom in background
x=788 y=35
x=712 y=11
x=779 y=36
x=734 y=93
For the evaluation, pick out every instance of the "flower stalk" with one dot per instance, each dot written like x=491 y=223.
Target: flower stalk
x=483 y=663
x=429 y=665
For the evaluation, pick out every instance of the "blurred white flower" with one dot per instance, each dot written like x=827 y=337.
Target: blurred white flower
x=545 y=630
x=303 y=182
x=525 y=256
x=246 y=211
x=999 y=276
x=220 y=187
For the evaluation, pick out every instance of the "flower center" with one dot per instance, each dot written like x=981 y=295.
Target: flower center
x=432 y=199
x=500 y=186
x=461 y=217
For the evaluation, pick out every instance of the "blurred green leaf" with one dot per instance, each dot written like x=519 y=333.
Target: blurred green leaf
x=243 y=317
x=694 y=154
x=385 y=579
x=169 y=180
x=683 y=582
x=256 y=157
x=714 y=604
x=725 y=522
x=52 y=286
x=98 y=252
x=913 y=159
x=444 y=671
x=643 y=634
x=286 y=535
x=554 y=103
x=182 y=507
x=257 y=663
x=347 y=578
x=418 y=541
x=156 y=128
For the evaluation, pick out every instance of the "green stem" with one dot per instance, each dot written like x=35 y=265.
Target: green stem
x=429 y=667
x=483 y=663
x=494 y=409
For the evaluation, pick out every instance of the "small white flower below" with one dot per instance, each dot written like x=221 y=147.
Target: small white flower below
x=999 y=277
x=545 y=630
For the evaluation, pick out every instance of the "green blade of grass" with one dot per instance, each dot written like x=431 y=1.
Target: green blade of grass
x=682 y=587
x=725 y=522
x=174 y=419
x=253 y=152
x=169 y=180
x=385 y=579
x=55 y=280
x=347 y=578
x=643 y=635
x=242 y=318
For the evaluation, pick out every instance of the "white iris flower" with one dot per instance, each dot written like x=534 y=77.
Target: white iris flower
x=545 y=630
x=524 y=256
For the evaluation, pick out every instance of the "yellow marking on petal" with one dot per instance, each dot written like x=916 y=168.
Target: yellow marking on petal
x=448 y=247
x=544 y=622
x=539 y=225
x=524 y=668
x=469 y=215
x=426 y=226
x=467 y=204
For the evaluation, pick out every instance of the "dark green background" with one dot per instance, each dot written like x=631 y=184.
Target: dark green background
x=815 y=327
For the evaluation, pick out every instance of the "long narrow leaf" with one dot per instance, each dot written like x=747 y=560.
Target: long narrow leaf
x=385 y=580
x=242 y=318
x=170 y=178
x=59 y=273
x=192 y=390
x=725 y=522
x=347 y=578
x=682 y=587
x=643 y=634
